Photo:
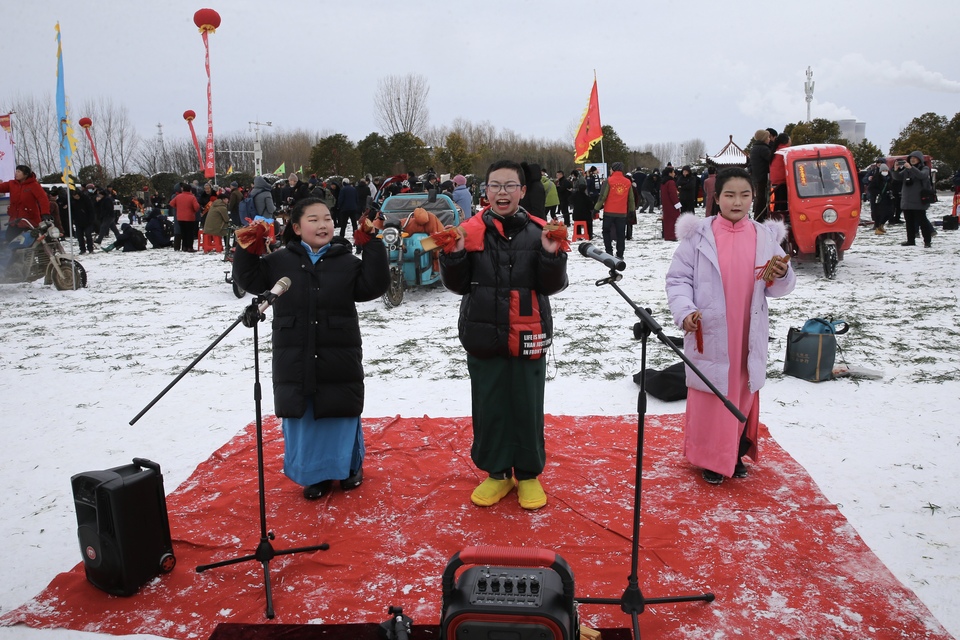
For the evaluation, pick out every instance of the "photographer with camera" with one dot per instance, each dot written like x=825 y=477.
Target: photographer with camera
x=914 y=177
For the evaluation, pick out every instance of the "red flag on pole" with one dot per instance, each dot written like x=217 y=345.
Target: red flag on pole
x=589 y=132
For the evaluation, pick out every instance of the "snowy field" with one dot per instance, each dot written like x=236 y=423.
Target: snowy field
x=76 y=367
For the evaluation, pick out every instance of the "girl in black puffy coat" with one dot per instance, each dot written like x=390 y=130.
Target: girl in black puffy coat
x=317 y=355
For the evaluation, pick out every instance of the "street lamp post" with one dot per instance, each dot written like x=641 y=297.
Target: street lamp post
x=257 y=148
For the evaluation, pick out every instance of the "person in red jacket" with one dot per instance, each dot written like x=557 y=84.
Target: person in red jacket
x=616 y=200
x=186 y=206
x=670 y=201
x=28 y=201
x=778 y=175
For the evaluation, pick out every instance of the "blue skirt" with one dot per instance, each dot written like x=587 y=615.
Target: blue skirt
x=318 y=449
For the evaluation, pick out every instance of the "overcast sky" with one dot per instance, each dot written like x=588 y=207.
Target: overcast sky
x=667 y=72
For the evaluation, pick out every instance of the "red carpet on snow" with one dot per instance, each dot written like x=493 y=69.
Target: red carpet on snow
x=782 y=561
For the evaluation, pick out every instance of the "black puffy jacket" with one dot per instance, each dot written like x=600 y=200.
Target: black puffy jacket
x=316 y=330
x=505 y=310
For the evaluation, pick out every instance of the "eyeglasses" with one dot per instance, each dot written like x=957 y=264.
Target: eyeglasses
x=510 y=187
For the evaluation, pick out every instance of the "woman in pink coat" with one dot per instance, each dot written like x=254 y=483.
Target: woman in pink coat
x=717 y=292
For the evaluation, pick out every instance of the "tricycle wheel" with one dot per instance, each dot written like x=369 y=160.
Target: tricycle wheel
x=394 y=295
x=70 y=270
x=830 y=258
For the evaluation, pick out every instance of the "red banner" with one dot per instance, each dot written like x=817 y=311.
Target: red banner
x=209 y=170
x=589 y=132
x=5 y=123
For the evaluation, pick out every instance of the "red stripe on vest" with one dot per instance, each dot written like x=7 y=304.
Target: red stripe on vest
x=527 y=338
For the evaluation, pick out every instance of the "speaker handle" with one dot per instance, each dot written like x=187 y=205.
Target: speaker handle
x=148 y=464
x=510 y=556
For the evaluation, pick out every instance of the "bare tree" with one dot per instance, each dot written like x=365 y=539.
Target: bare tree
x=35 y=133
x=400 y=104
x=112 y=133
x=152 y=155
x=693 y=150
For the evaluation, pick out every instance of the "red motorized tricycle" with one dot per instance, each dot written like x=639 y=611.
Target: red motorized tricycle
x=821 y=203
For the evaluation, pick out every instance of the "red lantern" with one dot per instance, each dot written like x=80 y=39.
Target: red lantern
x=189 y=115
x=86 y=123
x=207 y=20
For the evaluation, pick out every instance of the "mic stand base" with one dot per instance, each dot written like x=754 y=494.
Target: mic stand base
x=264 y=554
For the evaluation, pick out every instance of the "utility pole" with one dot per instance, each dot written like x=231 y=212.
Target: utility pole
x=257 y=148
x=808 y=89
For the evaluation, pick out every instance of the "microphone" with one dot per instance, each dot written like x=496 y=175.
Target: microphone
x=283 y=284
x=590 y=251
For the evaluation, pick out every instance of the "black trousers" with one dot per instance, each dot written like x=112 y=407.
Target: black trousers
x=188 y=233
x=916 y=219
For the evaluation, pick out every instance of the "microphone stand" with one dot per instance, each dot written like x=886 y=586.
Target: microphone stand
x=633 y=601
x=264 y=553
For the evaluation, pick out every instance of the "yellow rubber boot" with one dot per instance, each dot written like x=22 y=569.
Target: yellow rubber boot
x=531 y=494
x=491 y=491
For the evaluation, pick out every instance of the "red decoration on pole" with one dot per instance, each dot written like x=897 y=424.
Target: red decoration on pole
x=189 y=115
x=207 y=20
x=86 y=123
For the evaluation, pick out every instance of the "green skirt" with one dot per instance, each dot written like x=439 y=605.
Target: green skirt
x=507 y=395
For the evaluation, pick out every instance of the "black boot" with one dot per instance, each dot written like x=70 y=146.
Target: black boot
x=354 y=481
x=740 y=470
x=316 y=491
x=712 y=477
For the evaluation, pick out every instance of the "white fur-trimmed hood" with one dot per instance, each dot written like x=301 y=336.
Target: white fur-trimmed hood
x=689 y=225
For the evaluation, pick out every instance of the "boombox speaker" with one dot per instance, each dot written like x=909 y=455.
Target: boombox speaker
x=122 y=526
x=521 y=594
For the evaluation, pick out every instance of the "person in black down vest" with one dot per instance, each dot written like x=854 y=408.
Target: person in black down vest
x=505 y=265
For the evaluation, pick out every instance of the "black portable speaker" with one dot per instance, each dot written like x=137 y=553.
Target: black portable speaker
x=122 y=526
x=521 y=594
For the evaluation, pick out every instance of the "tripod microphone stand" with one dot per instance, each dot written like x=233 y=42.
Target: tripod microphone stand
x=264 y=553
x=633 y=601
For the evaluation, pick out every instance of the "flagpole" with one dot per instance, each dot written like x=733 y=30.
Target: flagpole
x=602 y=159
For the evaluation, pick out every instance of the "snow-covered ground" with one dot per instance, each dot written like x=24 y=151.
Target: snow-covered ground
x=76 y=367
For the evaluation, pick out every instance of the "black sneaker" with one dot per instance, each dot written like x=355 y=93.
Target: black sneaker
x=927 y=245
x=354 y=481
x=317 y=491
x=712 y=477
x=908 y=244
x=740 y=470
